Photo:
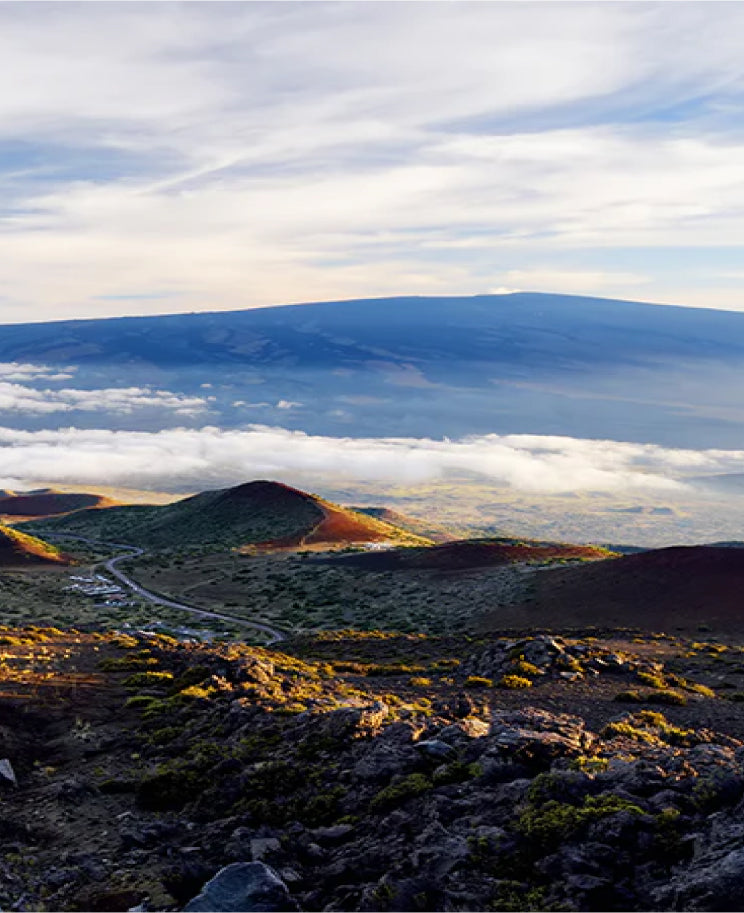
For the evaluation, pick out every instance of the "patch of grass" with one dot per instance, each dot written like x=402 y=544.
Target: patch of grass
x=628 y=697
x=666 y=696
x=477 y=681
x=419 y=681
x=397 y=793
x=148 y=679
x=553 y=822
x=514 y=682
x=651 y=679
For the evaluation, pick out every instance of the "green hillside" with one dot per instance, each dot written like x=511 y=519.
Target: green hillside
x=254 y=513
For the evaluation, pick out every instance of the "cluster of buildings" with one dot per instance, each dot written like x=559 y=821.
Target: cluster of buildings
x=99 y=587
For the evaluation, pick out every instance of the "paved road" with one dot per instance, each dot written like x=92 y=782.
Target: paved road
x=133 y=552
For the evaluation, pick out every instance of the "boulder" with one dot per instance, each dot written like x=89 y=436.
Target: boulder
x=7 y=774
x=355 y=722
x=436 y=749
x=243 y=887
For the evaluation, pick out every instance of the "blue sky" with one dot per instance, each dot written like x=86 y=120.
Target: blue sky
x=208 y=156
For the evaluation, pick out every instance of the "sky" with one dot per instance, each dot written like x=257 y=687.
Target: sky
x=167 y=157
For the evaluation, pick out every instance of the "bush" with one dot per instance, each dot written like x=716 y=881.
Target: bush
x=628 y=697
x=514 y=681
x=398 y=793
x=522 y=667
x=477 y=681
x=553 y=822
x=148 y=679
x=666 y=696
x=419 y=682
x=653 y=681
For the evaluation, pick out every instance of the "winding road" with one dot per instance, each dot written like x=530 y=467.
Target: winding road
x=132 y=551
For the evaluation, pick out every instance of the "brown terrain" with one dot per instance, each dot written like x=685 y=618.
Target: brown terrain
x=464 y=555
x=335 y=526
x=18 y=549
x=48 y=503
x=682 y=589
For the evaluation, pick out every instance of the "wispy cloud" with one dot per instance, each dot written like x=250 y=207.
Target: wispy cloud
x=260 y=153
x=25 y=371
x=18 y=397
x=181 y=459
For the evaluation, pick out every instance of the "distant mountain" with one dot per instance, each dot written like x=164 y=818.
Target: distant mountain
x=260 y=513
x=692 y=590
x=521 y=363
x=18 y=549
x=48 y=503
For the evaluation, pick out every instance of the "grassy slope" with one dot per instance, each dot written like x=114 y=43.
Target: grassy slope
x=254 y=513
x=19 y=548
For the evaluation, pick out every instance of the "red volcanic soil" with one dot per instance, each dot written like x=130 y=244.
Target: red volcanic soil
x=50 y=504
x=336 y=527
x=467 y=554
x=675 y=590
x=18 y=550
x=341 y=526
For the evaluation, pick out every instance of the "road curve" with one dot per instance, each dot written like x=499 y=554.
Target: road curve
x=275 y=636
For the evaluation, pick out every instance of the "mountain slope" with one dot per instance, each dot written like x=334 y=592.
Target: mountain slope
x=19 y=549
x=48 y=503
x=521 y=363
x=681 y=589
x=257 y=513
x=465 y=554
x=414 y=525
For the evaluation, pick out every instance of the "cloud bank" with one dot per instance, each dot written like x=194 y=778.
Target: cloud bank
x=182 y=460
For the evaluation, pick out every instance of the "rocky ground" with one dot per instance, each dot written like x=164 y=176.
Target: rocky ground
x=370 y=771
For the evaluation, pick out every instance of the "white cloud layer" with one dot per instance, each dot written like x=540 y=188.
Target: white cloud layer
x=16 y=397
x=180 y=460
x=198 y=155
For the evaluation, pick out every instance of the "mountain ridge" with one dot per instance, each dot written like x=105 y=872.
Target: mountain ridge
x=419 y=366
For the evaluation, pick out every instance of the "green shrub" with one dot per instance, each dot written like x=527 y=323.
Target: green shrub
x=477 y=681
x=651 y=680
x=148 y=679
x=629 y=697
x=456 y=772
x=628 y=731
x=522 y=667
x=514 y=681
x=666 y=696
x=398 y=793
x=141 y=700
x=418 y=681
x=553 y=822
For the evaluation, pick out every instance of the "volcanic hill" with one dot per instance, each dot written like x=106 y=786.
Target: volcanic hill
x=48 y=503
x=681 y=589
x=19 y=549
x=467 y=554
x=259 y=513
